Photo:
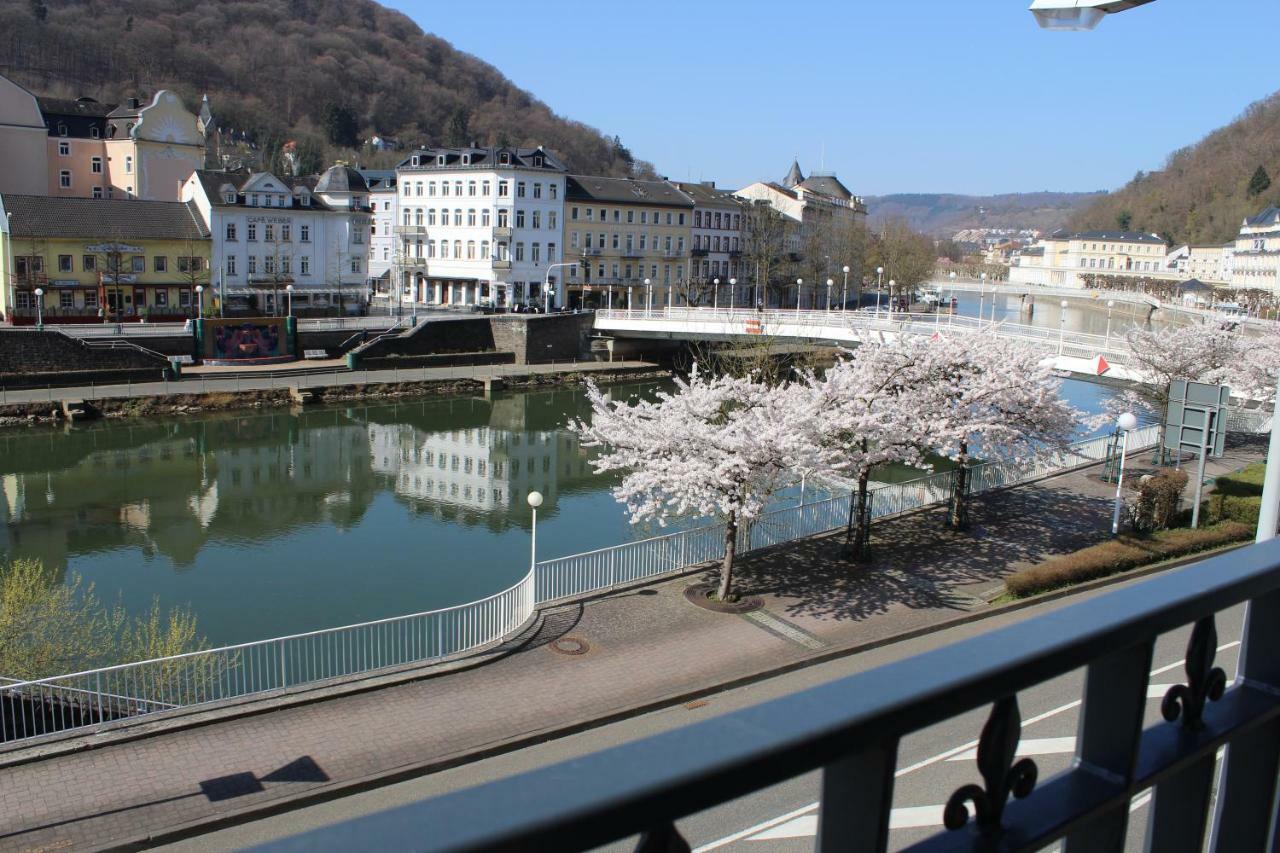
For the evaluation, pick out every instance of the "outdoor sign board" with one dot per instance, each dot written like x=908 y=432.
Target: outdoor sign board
x=1193 y=407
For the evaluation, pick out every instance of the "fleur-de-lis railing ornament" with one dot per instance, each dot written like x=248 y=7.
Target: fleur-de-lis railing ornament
x=1205 y=682
x=997 y=747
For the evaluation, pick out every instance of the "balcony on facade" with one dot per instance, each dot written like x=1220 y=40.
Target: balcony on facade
x=632 y=253
x=411 y=230
x=413 y=262
x=501 y=264
x=501 y=232
x=699 y=251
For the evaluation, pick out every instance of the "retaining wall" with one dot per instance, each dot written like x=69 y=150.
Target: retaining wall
x=30 y=358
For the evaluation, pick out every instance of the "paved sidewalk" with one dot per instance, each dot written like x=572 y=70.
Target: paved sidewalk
x=645 y=646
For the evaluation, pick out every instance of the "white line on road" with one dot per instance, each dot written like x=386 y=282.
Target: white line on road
x=945 y=756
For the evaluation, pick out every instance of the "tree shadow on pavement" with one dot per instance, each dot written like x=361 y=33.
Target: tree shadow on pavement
x=918 y=562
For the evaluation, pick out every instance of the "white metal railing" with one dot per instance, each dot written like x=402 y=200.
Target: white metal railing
x=32 y=708
x=605 y=568
x=42 y=706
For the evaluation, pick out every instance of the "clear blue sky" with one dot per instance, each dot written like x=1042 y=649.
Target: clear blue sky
x=962 y=96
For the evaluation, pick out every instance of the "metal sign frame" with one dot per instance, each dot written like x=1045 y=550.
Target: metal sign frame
x=1193 y=408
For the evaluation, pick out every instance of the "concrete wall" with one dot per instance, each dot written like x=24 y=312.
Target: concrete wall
x=465 y=335
x=542 y=337
x=30 y=358
x=457 y=359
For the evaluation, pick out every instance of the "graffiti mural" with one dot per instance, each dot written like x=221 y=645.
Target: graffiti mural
x=246 y=340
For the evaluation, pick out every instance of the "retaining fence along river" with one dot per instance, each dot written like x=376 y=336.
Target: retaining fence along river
x=98 y=697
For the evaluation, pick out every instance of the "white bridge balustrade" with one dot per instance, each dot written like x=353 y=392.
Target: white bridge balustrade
x=101 y=697
x=1072 y=351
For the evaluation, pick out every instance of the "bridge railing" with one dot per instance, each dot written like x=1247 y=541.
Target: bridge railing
x=852 y=731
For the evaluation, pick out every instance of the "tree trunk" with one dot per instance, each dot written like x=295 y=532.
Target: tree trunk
x=730 y=548
x=959 y=517
x=862 y=534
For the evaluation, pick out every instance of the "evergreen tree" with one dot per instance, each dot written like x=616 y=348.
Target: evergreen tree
x=340 y=125
x=457 y=133
x=1124 y=219
x=1259 y=182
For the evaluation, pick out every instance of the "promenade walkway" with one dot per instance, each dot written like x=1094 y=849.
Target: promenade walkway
x=207 y=380
x=642 y=647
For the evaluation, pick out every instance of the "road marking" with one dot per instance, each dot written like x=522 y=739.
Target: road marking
x=1030 y=747
x=804 y=826
x=944 y=756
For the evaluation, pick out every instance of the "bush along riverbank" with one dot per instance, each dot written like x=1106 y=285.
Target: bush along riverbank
x=1229 y=516
x=20 y=414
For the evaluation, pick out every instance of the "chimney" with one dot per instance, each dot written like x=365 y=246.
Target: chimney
x=133 y=103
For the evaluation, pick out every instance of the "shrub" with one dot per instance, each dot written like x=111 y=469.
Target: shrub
x=1121 y=554
x=1245 y=483
x=1239 y=508
x=1159 y=496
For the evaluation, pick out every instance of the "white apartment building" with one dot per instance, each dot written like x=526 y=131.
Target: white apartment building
x=1070 y=260
x=807 y=202
x=382 y=241
x=270 y=233
x=1255 y=259
x=477 y=226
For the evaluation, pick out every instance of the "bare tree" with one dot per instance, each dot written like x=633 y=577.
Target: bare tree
x=28 y=271
x=765 y=232
x=193 y=269
x=908 y=257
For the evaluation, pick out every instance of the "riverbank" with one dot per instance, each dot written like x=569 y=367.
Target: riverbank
x=107 y=404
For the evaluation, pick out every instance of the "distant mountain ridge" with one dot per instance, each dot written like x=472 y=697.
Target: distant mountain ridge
x=1205 y=190
x=943 y=214
x=325 y=73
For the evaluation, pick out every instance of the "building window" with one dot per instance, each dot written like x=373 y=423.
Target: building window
x=66 y=299
x=304 y=265
x=252 y=229
x=160 y=263
x=89 y=263
x=553 y=190
x=573 y=214
x=484 y=218
x=64 y=179
x=537 y=190
x=457 y=217
x=64 y=263
x=471 y=250
x=95 y=165
x=269 y=233
x=471 y=187
x=484 y=250
x=286 y=264
x=253 y=265
x=97 y=192
x=551 y=250
x=162 y=298
x=231 y=265
x=471 y=216
x=229 y=197
x=138 y=264
x=91 y=299
x=64 y=148
x=504 y=188
x=519 y=218
x=190 y=264
x=304 y=233
x=537 y=219
x=519 y=251
x=128 y=165
x=269 y=264
x=536 y=253
x=286 y=233
x=93 y=132
x=231 y=231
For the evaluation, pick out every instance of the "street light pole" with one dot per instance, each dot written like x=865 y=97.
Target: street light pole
x=546 y=284
x=951 y=295
x=1062 y=325
x=982 y=297
x=829 y=283
x=879 y=286
x=1111 y=303
x=648 y=300
x=39 y=307
x=715 y=293
x=535 y=501
x=288 y=295
x=1126 y=422
x=799 y=288
x=199 y=300
x=891 y=306
x=844 y=291
x=733 y=285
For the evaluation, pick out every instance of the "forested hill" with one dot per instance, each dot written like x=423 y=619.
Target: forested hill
x=326 y=73
x=1205 y=190
x=943 y=214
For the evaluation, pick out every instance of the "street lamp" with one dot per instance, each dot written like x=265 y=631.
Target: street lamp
x=844 y=291
x=891 y=284
x=199 y=300
x=39 y=307
x=546 y=284
x=951 y=295
x=1062 y=324
x=715 y=293
x=733 y=285
x=1111 y=303
x=288 y=295
x=799 y=288
x=648 y=300
x=1126 y=422
x=829 y=283
x=982 y=297
x=535 y=501
x=879 y=288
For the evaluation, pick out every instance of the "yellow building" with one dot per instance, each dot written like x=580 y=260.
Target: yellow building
x=89 y=260
x=622 y=232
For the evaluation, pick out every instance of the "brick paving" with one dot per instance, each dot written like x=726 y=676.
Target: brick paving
x=644 y=645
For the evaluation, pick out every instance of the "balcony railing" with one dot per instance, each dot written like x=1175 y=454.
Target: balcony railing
x=501 y=232
x=501 y=264
x=850 y=730
x=699 y=251
x=413 y=262
x=410 y=229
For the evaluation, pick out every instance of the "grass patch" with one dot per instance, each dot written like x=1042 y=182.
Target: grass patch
x=1122 y=554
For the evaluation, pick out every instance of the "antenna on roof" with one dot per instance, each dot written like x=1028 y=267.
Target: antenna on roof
x=822 y=159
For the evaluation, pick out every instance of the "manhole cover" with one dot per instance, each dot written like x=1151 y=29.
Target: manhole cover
x=570 y=646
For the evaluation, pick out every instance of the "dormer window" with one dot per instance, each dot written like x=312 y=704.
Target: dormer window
x=537 y=161
x=414 y=160
x=306 y=200
x=466 y=159
x=93 y=132
x=440 y=160
x=229 y=197
x=62 y=129
x=505 y=159
x=253 y=199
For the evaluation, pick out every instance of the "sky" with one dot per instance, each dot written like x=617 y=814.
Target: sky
x=963 y=96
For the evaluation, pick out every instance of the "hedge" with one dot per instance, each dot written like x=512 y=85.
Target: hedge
x=1121 y=554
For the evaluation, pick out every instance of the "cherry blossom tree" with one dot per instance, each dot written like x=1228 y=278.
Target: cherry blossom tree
x=715 y=447
x=864 y=412
x=996 y=395
x=1199 y=352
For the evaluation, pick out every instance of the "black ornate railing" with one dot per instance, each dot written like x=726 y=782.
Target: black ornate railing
x=850 y=730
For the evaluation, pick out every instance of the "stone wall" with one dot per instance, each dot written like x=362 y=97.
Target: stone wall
x=458 y=359
x=542 y=337
x=30 y=358
x=433 y=337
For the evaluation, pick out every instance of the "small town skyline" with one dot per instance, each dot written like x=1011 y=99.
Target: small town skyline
x=960 y=114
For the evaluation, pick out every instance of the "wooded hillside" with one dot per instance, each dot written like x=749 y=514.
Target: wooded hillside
x=1204 y=190
x=943 y=214
x=327 y=73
